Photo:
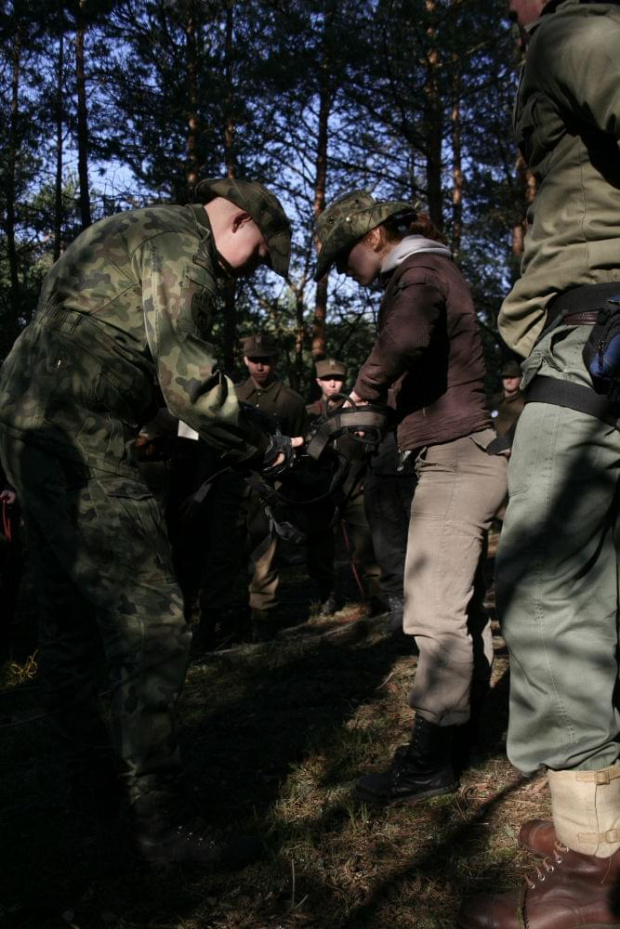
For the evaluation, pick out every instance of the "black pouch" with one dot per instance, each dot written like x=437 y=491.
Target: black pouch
x=601 y=353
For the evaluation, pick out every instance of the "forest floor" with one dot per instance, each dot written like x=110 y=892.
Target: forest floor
x=274 y=737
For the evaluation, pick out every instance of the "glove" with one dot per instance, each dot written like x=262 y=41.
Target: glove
x=278 y=445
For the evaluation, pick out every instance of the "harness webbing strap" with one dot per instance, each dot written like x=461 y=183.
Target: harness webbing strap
x=347 y=420
x=574 y=397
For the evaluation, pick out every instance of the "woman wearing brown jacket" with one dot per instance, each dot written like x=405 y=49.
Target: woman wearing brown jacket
x=428 y=354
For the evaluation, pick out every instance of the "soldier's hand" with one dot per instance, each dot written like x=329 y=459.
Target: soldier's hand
x=354 y=400
x=280 y=453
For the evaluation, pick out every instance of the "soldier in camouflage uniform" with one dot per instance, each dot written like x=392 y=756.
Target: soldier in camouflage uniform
x=121 y=323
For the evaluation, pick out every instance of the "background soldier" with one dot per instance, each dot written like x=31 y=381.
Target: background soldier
x=351 y=519
x=265 y=391
x=388 y=493
x=507 y=405
x=122 y=316
x=235 y=502
x=557 y=563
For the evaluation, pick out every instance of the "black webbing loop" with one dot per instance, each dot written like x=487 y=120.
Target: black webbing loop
x=574 y=397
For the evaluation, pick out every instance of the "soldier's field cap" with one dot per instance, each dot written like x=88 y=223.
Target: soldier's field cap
x=330 y=367
x=511 y=368
x=264 y=208
x=259 y=345
x=348 y=219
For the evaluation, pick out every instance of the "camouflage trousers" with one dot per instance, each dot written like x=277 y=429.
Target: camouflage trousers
x=108 y=596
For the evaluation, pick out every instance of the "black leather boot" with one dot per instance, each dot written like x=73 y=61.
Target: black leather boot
x=419 y=770
x=162 y=835
x=194 y=843
x=465 y=737
x=397 y=609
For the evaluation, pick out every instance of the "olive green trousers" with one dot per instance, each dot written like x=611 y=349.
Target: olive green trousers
x=557 y=575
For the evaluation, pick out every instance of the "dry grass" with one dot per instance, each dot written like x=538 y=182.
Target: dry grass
x=274 y=737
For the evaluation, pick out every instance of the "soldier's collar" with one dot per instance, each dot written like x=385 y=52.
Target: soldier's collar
x=209 y=241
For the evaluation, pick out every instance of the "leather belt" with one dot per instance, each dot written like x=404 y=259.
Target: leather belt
x=580 y=302
x=587 y=318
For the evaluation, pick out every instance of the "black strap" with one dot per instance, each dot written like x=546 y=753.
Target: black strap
x=574 y=397
x=502 y=443
x=580 y=300
x=349 y=420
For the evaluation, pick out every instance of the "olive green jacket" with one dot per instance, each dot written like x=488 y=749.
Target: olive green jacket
x=567 y=122
x=278 y=400
x=122 y=320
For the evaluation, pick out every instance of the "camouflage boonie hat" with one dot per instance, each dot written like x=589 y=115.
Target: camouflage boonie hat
x=348 y=219
x=330 y=367
x=259 y=345
x=264 y=208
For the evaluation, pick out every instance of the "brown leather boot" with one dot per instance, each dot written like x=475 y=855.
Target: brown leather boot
x=538 y=837
x=567 y=891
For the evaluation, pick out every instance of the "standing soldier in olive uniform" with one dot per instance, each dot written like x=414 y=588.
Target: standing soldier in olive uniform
x=330 y=377
x=240 y=509
x=121 y=322
x=507 y=405
x=263 y=390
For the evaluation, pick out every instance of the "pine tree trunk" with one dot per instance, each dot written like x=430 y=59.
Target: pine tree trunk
x=525 y=189
x=58 y=204
x=193 y=124
x=82 y=119
x=229 y=130
x=11 y=246
x=319 y=324
x=229 y=329
x=457 y=168
x=433 y=121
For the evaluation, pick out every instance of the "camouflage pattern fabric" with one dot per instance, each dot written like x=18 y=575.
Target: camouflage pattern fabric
x=124 y=314
x=103 y=565
x=123 y=319
x=348 y=219
x=264 y=208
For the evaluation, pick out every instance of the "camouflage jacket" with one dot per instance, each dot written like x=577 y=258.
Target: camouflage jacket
x=122 y=319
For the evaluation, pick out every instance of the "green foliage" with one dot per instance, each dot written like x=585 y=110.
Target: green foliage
x=271 y=90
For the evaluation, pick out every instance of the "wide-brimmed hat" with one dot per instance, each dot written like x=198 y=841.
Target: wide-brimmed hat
x=510 y=368
x=331 y=367
x=259 y=345
x=264 y=208
x=348 y=219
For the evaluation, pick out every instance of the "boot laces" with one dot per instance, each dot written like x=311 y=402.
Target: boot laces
x=195 y=834
x=547 y=867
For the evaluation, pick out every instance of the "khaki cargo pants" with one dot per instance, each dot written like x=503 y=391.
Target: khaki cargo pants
x=460 y=488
